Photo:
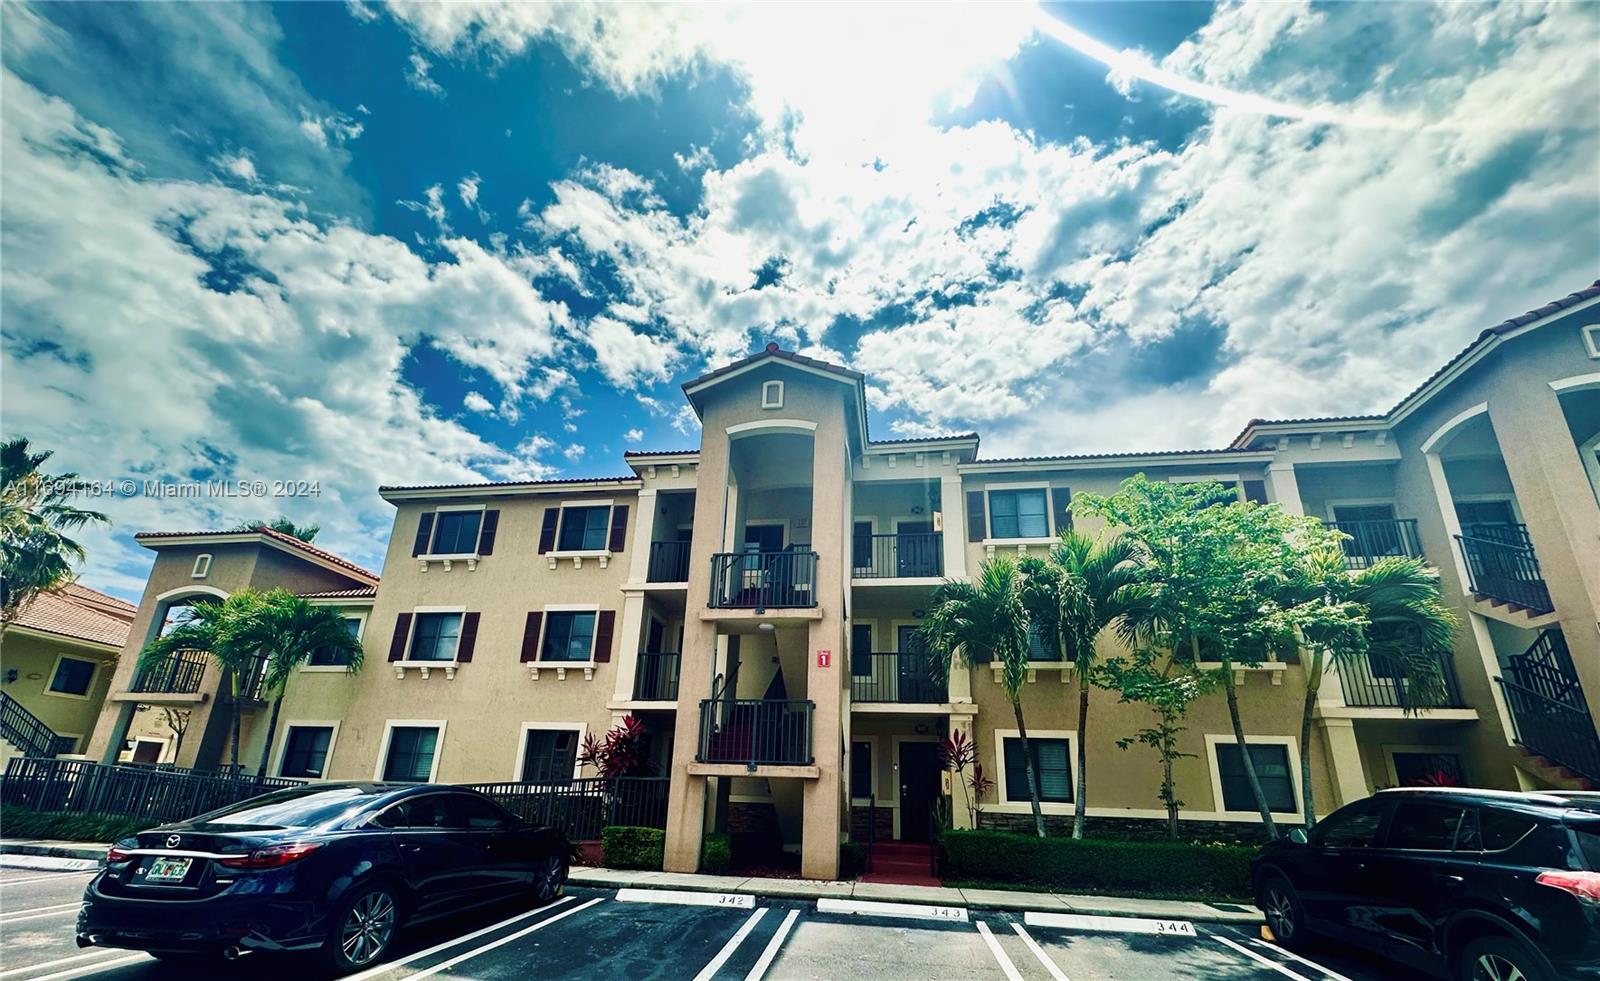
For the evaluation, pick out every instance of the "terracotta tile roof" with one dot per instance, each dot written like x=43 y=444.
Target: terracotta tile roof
x=363 y=592
x=947 y=437
x=1067 y=458
x=628 y=453
x=80 y=613
x=774 y=351
x=277 y=536
x=491 y=484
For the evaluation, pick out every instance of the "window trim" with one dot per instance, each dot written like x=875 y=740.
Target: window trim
x=411 y=637
x=1591 y=339
x=361 y=633
x=1291 y=744
x=389 y=726
x=88 y=692
x=770 y=386
x=333 y=741
x=871 y=739
x=1004 y=806
x=610 y=504
x=544 y=629
x=581 y=728
x=133 y=749
x=1390 y=749
x=1589 y=453
x=1359 y=502
x=1510 y=499
x=433 y=533
x=988 y=513
x=202 y=566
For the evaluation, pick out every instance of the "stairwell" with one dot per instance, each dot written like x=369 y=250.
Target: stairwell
x=901 y=863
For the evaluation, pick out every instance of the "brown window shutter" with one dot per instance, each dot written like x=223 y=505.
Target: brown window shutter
x=402 y=633
x=977 y=523
x=424 y=533
x=1061 y=499
x=619 y=527
x=547 y=534
x=469 y=637
x=530 y=637
x=491 y=524
x=605 y=626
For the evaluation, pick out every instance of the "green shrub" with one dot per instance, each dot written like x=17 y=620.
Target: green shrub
x=622 y=847
x=1097 y=865
x=852 y=859
x=18 y=822
x=716 y=854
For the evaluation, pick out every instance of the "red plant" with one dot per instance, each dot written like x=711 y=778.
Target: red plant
x=957 y=752
x=980 y=784
x=621 y=754
x=1439 y=778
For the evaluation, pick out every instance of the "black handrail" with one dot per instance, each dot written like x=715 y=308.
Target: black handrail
x=179 y=674
x=1560 y=732
x=1546 y=667
x=762 y=580
x=23 y=729
x=902 y=678
x=1505 y=571
x=669 y=562
x=1374 y=540
x=755 y=732
x=1376 y=681
x=655 y=679
x=904 y=555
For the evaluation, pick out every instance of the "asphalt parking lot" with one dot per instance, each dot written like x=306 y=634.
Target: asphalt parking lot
x=636 y=935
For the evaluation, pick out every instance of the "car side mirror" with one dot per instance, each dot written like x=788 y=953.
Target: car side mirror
x=1298 y=836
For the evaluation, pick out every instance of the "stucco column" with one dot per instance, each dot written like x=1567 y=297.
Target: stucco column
x=644 y=533
x=960 y=790
x=1285 y=487
x=953 y=509
x=118 y=733
x=1344 y=759
x=824 y=797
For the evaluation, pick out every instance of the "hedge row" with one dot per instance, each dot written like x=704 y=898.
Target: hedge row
x=623 y=847
x=18 y=822
x=1096 y=865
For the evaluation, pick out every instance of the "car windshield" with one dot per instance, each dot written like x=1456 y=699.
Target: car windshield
x=297 y=808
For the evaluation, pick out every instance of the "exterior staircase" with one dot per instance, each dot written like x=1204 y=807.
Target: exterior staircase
x=901 y=863
x=1550 y=716
x=21 y=733
x=1551 y=775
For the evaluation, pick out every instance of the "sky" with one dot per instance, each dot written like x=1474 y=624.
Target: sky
x=365 y=243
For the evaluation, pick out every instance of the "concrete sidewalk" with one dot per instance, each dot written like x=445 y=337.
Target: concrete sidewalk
x=79 y=854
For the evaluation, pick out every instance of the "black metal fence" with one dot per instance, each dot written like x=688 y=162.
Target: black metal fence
x=1561 y=732
x=762 y=580
x=1374 y=540
x=898 y=556
x=1506 y=570
x=23 y=730
x=669 y=562
x=1376 y=681
x=179 y=674
x=155 y=794
x=902 y=678
x=755 y=732
x=582 y=807
x=656 y=677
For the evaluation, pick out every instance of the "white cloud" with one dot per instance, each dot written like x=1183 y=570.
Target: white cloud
x=467 y=190
x=575 y=452
x=239 y=165
x=634 y=436
x=697 y=159
x=475 y=402
x=418 y=78
x=333 y=129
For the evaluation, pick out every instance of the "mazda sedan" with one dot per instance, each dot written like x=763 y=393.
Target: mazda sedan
x=337 y=869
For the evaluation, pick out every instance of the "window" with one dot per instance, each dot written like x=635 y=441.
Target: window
x=1272 y=772
x=411 y=754
x=474 y=813
x=1355 y=826
x=305 y=751
x=584 y=529
x=772 y=395
x=860 y=770
x=1491 y=830
x=435 y=637
x=456 y=532
x=64 y=745
x=861 y=545
x=1423 y=826
x=549 y=755
x=1052 y=767
x=1037 y=651
x=1019 y=514
x=1428 y=770
x=1591 y=339
x=73 y=676
x=418 y=812
x=568 y=637
x=324 y=657
x=202 y=567
x=1471 y=513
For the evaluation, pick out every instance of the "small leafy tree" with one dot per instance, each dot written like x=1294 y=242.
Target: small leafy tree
x=981 y=623
x=36 y=515
x=1169 y=693
x=283 y=526
x=177 y=722
x=622 y=753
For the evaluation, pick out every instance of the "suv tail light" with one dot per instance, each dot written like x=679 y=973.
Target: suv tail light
x=271 y=857
x=115 y=854
x=1584 y=885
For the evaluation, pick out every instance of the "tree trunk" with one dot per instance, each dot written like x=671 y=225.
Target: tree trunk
x=1080 y=797
x=233 y=750
x=1027 y=760
x=1313 y=686
x=1244 y=753
x=272 y=728
x=1172 y=805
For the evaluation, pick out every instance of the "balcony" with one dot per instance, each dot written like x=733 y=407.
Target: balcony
x=910 y=555
x=1549 y=712
x=669 y=562
x=902 y=679
x=656 y=678
x=1373 y=540
x=763 y=580
x=1376 y=681
x=179 y=674
x=755 y=732
x=1502 y=567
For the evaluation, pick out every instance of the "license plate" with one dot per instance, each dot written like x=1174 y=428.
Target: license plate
x=168 y=870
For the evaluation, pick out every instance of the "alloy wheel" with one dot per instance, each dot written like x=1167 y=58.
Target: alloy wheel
x=1493 y=967
x=548 y=879
x=367 y=928
x=1280 y=914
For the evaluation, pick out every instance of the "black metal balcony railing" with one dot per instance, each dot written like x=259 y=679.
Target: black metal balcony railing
x=755 y=732
x=1507 y=570
x=179 y=674
x=763 y=580
x=903 y=678
x=1376 y=681
x=1559 y=731
x=1374 y=540
x=897 y=556
x=669 y=562
x=656 y=677
x=253 y=680
x=1546 y=669
x=22 y=729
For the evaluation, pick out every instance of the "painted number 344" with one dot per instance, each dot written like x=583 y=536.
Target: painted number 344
x=1175 y=928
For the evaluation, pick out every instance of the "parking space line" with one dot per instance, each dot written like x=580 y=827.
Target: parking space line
x=773 y=946
x=949 y=914
x=92 y=955
x=40 y=909
x=76 y=972
x=467 y=955
x=456 y=941
x=69 y=908
x=1330 y=972
x=1009 y=968
x=44 y=878
x=684 y=897
x=1038 y=951
x=710 y=970
x=1246 y=951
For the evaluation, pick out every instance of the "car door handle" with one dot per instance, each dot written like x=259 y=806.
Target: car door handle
x=1449 y=880
x=407 y=847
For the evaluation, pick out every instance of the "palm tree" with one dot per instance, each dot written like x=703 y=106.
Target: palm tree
x=284 y=630
x=1409 y=632
x=1084 y=587
x=36 y=513
x=983 y=623
x=219 y=630
x=283 y=526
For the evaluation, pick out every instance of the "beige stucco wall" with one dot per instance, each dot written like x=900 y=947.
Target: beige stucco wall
x=33 y=657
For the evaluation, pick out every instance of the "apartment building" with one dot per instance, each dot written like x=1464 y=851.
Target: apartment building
x=754 y=602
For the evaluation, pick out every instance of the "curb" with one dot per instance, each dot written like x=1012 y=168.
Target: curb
x=54 y=856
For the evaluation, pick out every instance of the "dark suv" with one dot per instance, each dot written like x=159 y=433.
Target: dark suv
x=1479 y=885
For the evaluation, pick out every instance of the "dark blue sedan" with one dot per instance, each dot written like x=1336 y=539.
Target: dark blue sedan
x=335 y=868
